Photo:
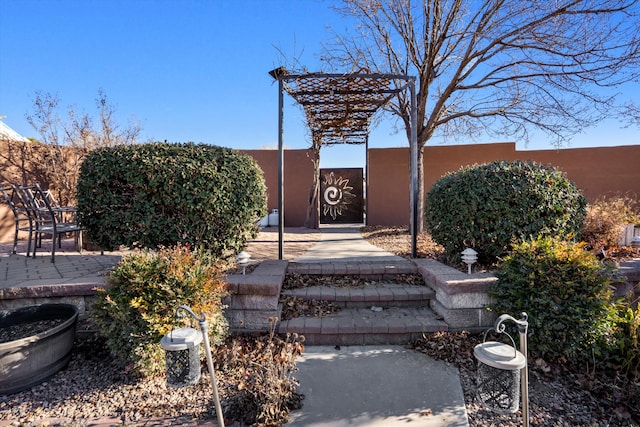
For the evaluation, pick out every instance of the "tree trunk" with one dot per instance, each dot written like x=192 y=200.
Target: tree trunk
x=312 y=220
x=421 y=191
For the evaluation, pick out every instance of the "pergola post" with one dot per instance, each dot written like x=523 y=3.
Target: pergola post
x=366 y=181
x=280 y=170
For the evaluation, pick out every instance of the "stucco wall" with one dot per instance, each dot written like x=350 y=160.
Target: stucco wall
x=597 y=171
x=388 y=190
x=15 y=168
x=298 y=173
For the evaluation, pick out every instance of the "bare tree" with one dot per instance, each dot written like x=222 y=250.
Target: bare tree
x=66 y=141
x=496 y=67
x=311 y=218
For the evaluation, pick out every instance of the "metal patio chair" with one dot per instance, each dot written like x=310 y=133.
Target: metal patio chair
x=20 y=215
x=47 y=219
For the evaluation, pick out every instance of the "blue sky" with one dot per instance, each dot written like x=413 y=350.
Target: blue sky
x=188 y=70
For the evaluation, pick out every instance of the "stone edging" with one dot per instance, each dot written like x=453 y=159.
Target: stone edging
x=460 y=298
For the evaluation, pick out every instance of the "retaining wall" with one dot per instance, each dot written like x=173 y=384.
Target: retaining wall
x=460 y=298
x=255 y=297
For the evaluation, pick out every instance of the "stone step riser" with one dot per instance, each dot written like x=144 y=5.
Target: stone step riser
x=386 y=296
x=365 y=327
x=361 y=339
x=382 y=304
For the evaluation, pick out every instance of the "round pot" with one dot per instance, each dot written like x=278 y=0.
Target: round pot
x=29 y=361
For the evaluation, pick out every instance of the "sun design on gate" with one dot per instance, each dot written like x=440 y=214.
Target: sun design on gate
x=337 y=195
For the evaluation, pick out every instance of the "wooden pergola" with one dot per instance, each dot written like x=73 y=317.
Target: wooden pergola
x=339 y=109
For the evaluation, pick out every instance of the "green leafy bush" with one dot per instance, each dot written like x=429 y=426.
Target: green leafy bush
x=567 y=294
x=627 y=355
x=138 y=307
x=487 y=207
x=606 y=219
x=153 y=195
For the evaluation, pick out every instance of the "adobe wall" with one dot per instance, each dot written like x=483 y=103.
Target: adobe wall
x=597 y=171
x=601 y=171
x=15 y=168
x=298 y=175
x=388 y=189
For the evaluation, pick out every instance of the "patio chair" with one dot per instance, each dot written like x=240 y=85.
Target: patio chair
x=20 y=216
x=47 y=219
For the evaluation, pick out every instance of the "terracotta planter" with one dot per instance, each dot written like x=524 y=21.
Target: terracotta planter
x=29 y=361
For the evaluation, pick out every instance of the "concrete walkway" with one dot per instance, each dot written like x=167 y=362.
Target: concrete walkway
x=371 y=386
x=345 y=244
x=377 y=386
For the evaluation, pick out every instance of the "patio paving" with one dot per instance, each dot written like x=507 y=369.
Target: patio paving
x=91 y=267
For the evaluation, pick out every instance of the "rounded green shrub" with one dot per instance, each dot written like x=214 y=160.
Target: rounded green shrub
x=488 y=207
x=153 y=195
x=567 y=294
x=138 y=306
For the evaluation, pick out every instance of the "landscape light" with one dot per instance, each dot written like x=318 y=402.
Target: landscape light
x=243 y=260
x=502 y=370
x=183 y=356
x=469 y=257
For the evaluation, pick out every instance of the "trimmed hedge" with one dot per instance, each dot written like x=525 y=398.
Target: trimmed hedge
x=488 y=207
x=159 y=194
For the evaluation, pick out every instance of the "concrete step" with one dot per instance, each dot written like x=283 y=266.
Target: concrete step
x=364 y=326
x=381 y=294
x=380 y=313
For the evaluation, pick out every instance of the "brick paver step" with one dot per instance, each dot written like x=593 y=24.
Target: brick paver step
x=372 y=269
x=365 y=326
x=382 y=294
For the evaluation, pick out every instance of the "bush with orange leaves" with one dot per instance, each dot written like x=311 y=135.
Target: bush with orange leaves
x=138 y=307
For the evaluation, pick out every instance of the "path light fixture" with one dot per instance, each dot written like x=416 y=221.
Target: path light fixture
x=502 y=370
x=182 y=356
x=182 y=348
x=243 y=260
x=469 y=257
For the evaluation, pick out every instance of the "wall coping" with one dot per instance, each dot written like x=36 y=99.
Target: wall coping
x=51 y=291
x=452 y=281
x=266 y=279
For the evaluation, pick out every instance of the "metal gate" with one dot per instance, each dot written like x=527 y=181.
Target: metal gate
x=341 y=196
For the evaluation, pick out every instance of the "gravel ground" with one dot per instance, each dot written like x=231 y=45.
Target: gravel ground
x=92 y=388
x=93 y=391
x=557 y=397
